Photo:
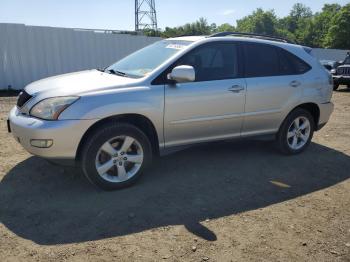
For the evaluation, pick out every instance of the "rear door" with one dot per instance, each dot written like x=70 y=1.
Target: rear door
x=273 y=85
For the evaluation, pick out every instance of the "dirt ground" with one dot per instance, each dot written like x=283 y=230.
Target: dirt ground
x=237 y=201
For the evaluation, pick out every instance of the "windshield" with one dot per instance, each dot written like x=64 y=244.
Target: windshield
x=144 y=61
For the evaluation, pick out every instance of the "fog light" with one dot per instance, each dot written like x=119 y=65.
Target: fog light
x=41 y=143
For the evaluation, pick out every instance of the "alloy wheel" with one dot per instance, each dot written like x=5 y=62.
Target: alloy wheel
x=299 y=133
x=119 y=159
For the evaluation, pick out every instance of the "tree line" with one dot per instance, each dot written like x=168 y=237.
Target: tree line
x=329 y=28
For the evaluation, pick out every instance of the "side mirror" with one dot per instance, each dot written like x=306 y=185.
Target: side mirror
x=182 y=74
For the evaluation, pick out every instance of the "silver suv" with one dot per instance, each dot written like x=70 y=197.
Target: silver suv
x=173 y=93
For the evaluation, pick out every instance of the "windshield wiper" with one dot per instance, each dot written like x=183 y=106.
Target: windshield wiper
x=115 y=72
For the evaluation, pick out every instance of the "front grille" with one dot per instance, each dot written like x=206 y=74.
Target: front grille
x=343 y=71
x=23 y=98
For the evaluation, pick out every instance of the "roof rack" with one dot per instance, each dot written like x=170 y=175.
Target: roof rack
x=267 y=37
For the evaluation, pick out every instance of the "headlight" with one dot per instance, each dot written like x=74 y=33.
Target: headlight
x=333 y=71
x=51 y=108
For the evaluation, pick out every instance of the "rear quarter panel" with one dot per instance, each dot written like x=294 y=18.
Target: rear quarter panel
x=317 y=87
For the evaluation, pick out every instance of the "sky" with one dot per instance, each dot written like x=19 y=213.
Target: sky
x=119 y=14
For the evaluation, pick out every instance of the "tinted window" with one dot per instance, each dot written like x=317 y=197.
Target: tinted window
x=261 y=60
x=287 y=66
x=267 y=60
x=292 y=65
x=214 y=61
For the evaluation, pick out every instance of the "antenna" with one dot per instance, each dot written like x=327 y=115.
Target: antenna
x=145 y=15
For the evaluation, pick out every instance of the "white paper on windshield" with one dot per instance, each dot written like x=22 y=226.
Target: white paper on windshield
x=175 y=46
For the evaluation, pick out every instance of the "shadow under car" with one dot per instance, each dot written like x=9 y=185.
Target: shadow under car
x=54 y=205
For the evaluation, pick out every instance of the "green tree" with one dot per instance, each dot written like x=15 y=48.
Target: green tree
x=150 y=32
x=297 y=24
x=338 y=35
x=260 y=22
x=314 y=30
x=213 y=27
x=200 y=27
x=327 y=28
x=298 y=17
x=321 y=24
x=225 y=28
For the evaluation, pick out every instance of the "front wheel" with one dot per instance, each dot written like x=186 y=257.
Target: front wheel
x=296 y=132
x=115 y=156
x=335 y=86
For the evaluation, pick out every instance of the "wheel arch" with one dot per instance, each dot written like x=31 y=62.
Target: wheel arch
x=311 y=107
x=138 y=120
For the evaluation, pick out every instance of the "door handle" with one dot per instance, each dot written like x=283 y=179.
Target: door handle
x=295 y=83
x=236 y=89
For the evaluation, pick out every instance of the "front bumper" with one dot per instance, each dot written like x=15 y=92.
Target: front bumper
x=326 y=109
x=65 y=134
x=341 y=80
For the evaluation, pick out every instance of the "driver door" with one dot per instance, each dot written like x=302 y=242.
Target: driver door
x=212 y=106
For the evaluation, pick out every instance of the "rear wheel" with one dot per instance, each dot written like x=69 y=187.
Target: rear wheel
x=296 y=132
x=115 y=156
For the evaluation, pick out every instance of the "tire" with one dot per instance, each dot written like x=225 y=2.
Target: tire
x=335 y=87
x=98 y=155
x=289 y=132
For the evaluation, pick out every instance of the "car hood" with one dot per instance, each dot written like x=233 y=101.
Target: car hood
x=79 y=83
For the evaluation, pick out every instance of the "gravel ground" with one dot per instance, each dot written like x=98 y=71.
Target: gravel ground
x=234 y=201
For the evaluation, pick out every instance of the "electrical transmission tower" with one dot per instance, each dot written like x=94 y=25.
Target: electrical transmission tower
x=145 y=15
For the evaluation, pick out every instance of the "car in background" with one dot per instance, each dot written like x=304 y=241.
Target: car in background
x=341 y=74
x=329 y=64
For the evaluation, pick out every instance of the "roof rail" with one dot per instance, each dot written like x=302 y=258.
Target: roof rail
x=267 y=37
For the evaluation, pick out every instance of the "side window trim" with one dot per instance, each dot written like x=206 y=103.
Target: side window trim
x=241 y=60
x=161 y=78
